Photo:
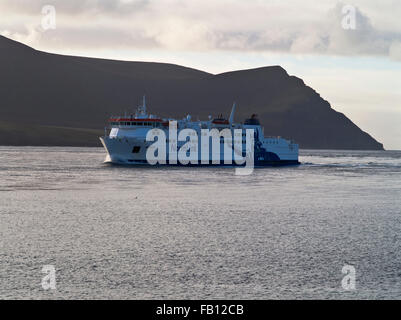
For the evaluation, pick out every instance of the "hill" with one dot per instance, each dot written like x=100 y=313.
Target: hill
x=50 y=99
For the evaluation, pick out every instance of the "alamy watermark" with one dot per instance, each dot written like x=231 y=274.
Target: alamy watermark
x=49 y=280
x=188 y=153
x=49 y=21
x=349 y=17
x=349 y=281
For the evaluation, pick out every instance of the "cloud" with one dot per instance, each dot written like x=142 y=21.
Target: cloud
x=395 y=50
x=363 y=40
x=28 y=34
x=254 y=25
x=75 y=7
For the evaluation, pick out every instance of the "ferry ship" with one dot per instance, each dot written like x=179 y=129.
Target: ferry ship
x=125 y=139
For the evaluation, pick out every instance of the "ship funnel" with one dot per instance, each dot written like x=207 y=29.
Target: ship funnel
x=232 y=114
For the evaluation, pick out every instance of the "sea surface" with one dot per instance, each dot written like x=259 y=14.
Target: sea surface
x=115 y=232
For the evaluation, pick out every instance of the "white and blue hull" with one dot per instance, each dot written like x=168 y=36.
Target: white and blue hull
x=132 y=151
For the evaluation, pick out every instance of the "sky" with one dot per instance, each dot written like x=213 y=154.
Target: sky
x=349 y=51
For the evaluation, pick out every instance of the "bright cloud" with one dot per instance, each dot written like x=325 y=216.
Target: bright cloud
x=268 y=26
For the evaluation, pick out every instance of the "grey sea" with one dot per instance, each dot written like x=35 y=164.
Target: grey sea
x=114 y=232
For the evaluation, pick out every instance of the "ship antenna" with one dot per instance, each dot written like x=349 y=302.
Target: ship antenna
x=144 y=104
x=232 y=114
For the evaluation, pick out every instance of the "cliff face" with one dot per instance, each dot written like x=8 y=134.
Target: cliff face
x=49 y=99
